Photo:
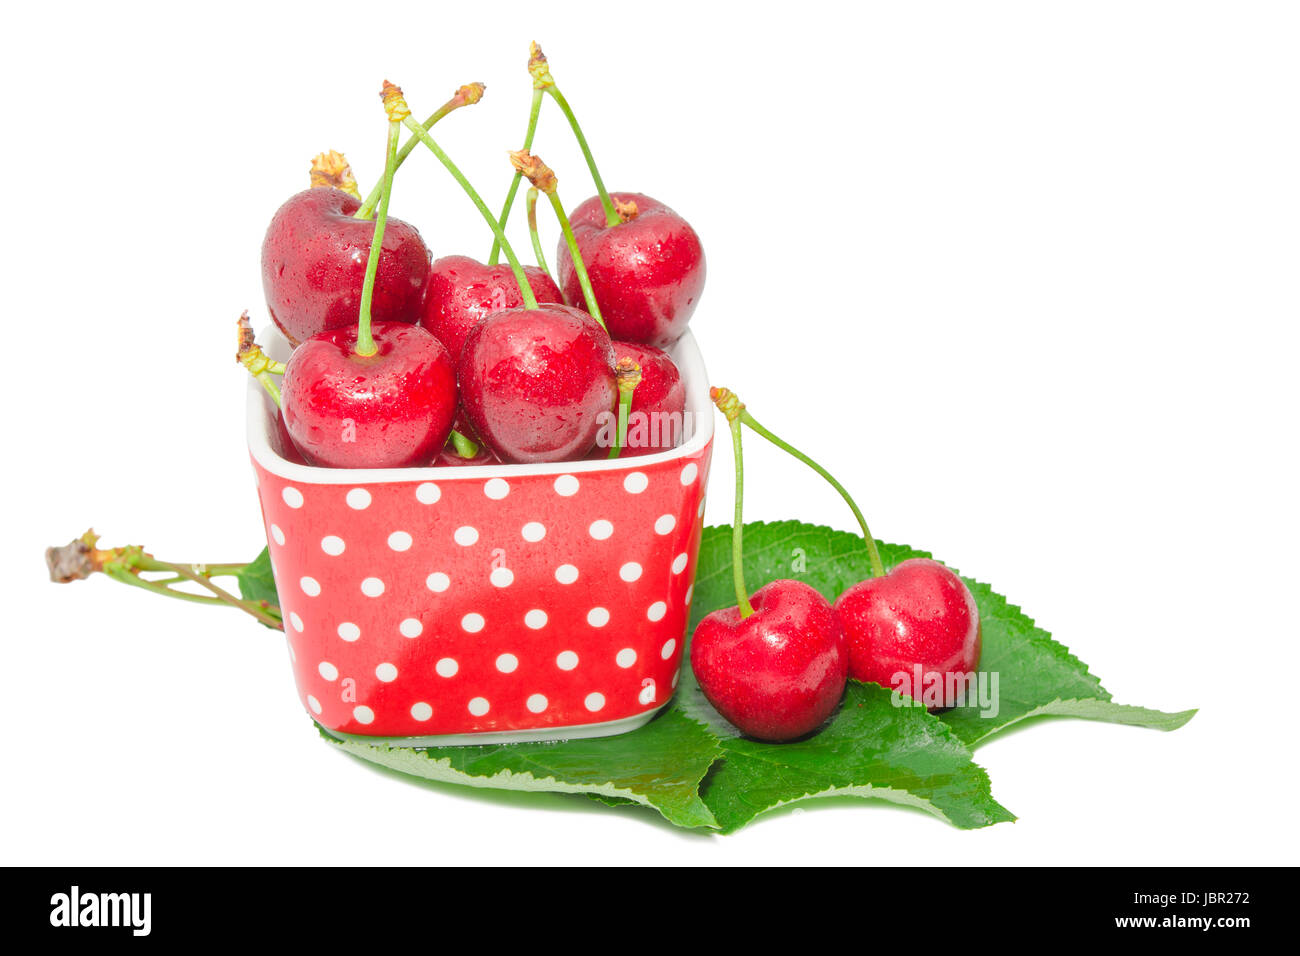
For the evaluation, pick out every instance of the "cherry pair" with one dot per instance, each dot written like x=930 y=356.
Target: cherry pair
x=776 y=666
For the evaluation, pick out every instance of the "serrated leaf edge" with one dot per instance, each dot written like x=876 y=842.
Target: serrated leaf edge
x=504 y=779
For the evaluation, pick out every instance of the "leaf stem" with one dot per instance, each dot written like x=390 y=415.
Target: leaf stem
x=81 y=558
x=533 y=113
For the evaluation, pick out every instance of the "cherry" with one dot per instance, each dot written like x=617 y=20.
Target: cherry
x=461 y=291
x=389 y=409
x=647 y=271
x=284 y=442
x=779 y=672
x=646 y=263
x=377 y=395
x=656 y=417
x=314 y=264
x=314 y=253
x=775 y=667
x=534 y=382
x=920 y=614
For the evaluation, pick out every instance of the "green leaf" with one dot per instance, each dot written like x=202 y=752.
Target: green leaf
x=1036 y=675
x=870 y=749
x=256 y=582
x=659 y=765
x=697 y=771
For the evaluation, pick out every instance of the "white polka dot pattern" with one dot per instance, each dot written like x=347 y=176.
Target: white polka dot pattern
x=472 y=604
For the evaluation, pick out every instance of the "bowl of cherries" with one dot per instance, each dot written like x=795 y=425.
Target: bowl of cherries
x=483 y=486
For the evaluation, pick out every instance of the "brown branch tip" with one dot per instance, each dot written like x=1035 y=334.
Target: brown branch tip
x=536 y=171
x=728 y=402
x=332 y=170
x=394 y=102
x=76 y=560
x=538 y=67
x=627 y=211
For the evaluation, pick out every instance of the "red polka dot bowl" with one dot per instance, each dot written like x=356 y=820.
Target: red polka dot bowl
x=486 y=604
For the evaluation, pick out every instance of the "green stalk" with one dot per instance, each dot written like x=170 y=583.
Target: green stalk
x=365 y=341
x=579 y=266
x=540 y=70
x=533 y=113
x=467 y=95
x=465 y=447
x=628 y=374
x=260 y=365
x=531 y=203
x=611 y=214
x=877 y=566
x=738 y=527
x=80 y=558
x=525 y=290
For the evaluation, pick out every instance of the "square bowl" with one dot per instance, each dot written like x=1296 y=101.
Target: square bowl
x=485 y=604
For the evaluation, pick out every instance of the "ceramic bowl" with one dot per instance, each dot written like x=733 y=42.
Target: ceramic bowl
x=453 y=605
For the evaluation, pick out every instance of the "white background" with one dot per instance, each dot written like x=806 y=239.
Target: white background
x=1022 y=274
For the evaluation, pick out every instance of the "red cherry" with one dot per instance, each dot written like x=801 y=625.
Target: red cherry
x=284 y=443
x=920 y=613
x=314 y=262
x=461 y=291
x=656 y=417
x=392 y=409
x=647 y=273
x=534 y=382
x=779 y=673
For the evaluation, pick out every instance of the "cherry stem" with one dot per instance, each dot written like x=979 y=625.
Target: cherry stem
x=580 y=267
x=531 y=203
x=533 y=113
x=543 y=178
x=395 y=106
x=540 y=70
x=738 y=526
x=525 y=290
x=467 y=95
x=628 y=374
x=464 y=446
x=611 y=214
x=80 y=558
x=877 y=566
x=261 y=366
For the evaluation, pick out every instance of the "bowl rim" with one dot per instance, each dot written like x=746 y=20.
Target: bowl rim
x=260 y=421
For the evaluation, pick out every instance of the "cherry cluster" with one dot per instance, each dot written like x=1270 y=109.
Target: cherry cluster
x=402 y=361
x=776 y=665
